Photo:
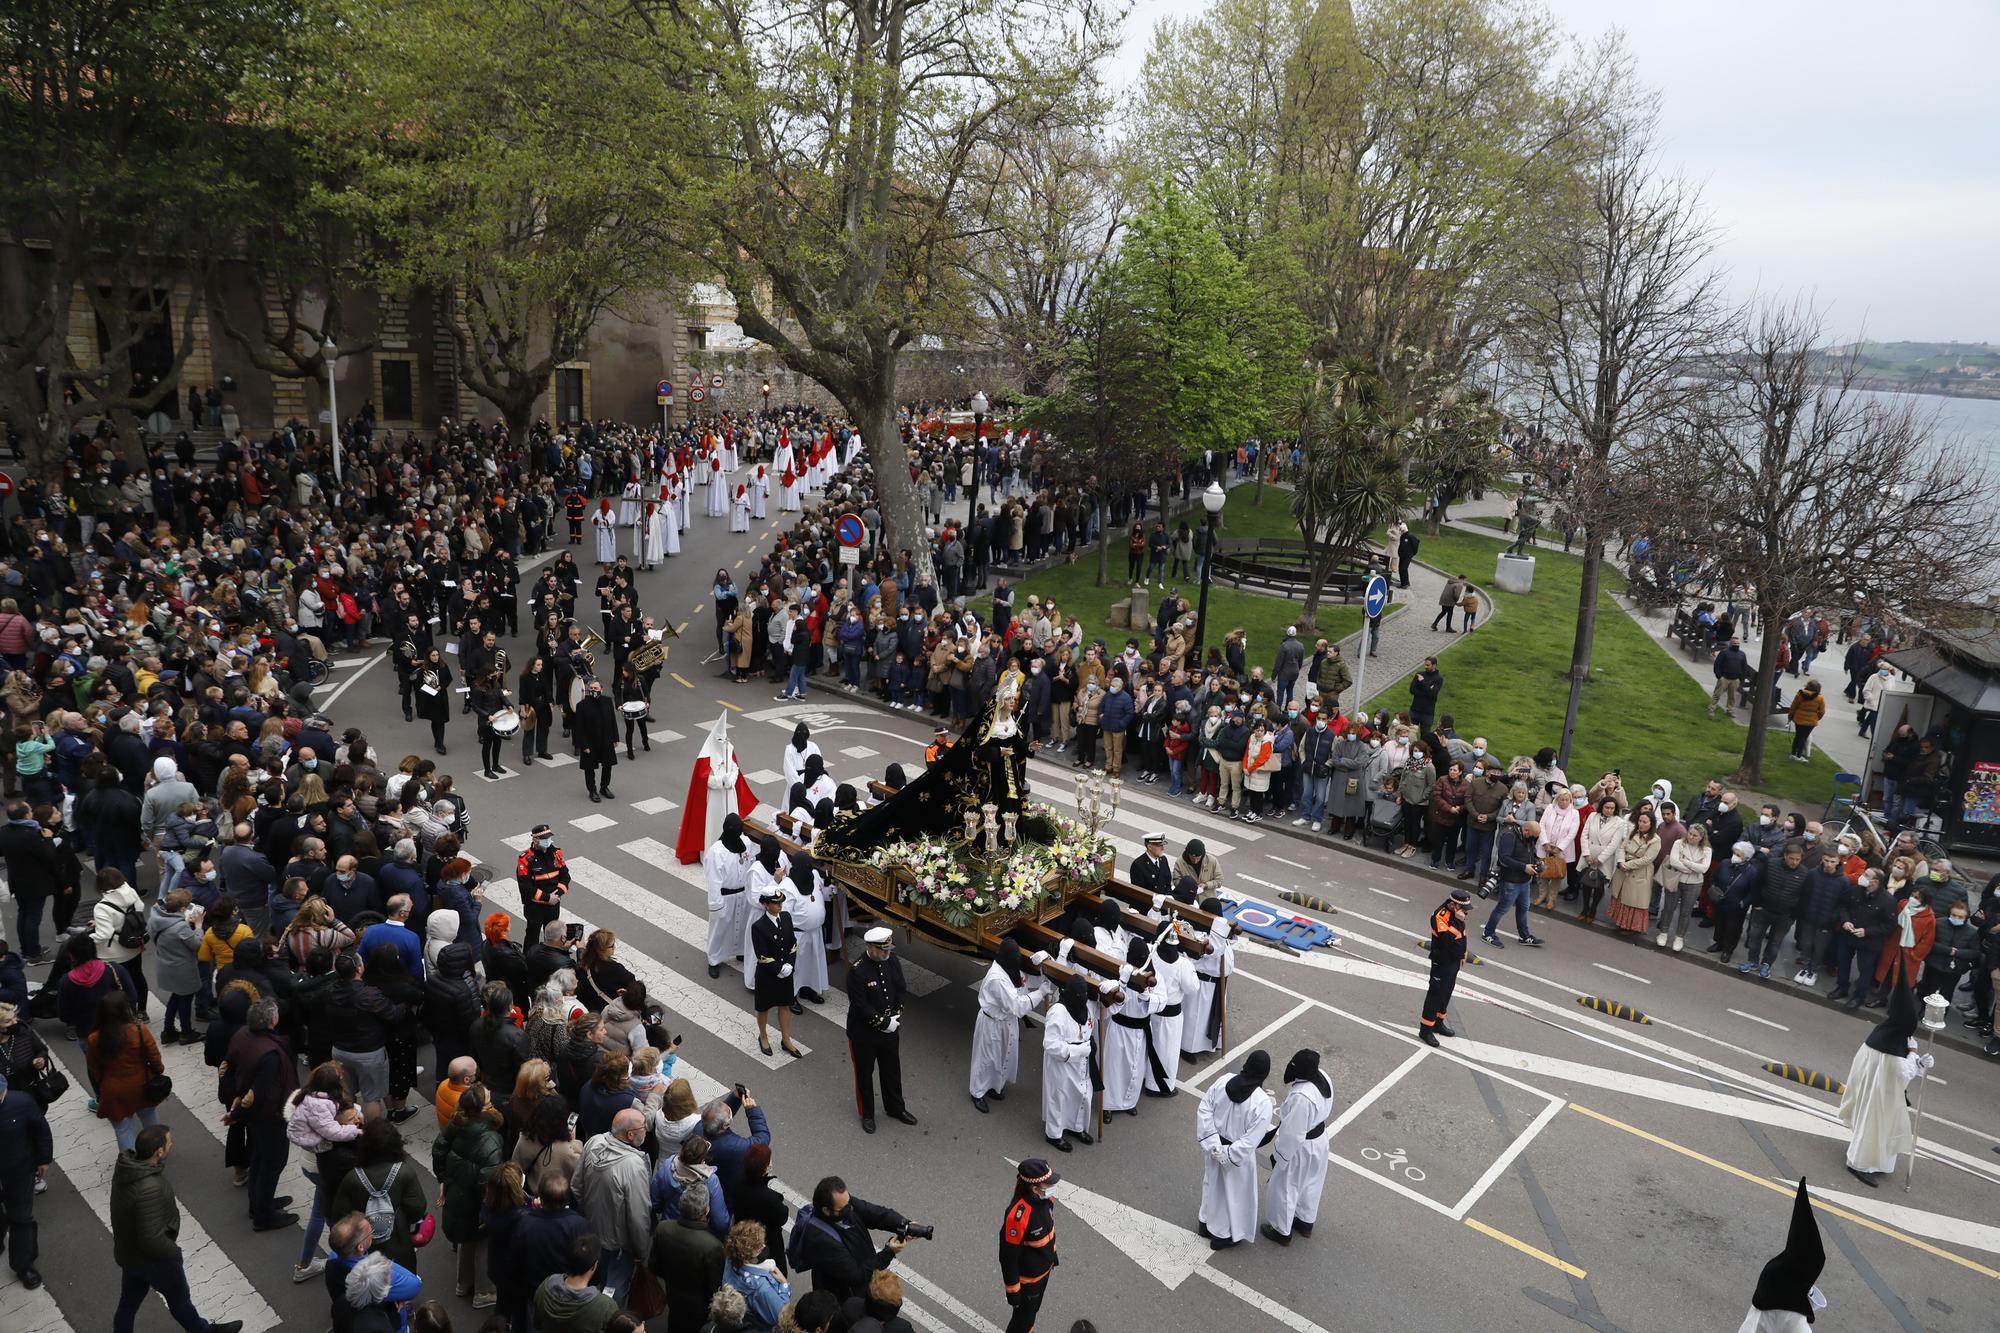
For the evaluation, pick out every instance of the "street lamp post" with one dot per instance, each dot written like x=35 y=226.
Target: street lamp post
x=767 y=397
x=331 y=353
x=978 y=433
x=1212 y=500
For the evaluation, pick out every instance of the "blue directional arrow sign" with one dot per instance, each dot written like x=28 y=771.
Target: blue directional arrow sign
x=1376 y=599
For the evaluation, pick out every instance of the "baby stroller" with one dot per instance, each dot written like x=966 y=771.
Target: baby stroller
x=1384 y=826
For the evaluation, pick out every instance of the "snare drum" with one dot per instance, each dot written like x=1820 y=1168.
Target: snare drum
x=506 y=722
x=633 y=708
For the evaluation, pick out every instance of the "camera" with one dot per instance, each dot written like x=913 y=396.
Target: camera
x=575 y=935
x=912 y=1231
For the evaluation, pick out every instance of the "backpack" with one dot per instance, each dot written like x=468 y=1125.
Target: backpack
x=795 y=1248
x=380 y=1210
x=131 y=930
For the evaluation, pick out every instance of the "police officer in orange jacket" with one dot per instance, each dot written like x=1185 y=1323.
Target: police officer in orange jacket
x=1447 y=954
x=1028 y=1243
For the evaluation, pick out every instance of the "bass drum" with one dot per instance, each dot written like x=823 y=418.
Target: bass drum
x=577 y=686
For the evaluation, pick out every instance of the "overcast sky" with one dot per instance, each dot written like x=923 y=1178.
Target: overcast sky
x=1847 y=149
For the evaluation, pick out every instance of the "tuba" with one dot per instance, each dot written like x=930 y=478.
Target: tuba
x=500 y=660
x=648 y=656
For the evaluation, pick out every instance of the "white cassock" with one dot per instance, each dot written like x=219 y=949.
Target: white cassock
x=1125 y=1029
x=760 y=495
x=1065 y=1073
x=728 y=455
x=645 y=536
x=717 y=503
x=795 y=762
x=683 y=502
x=823 y=789
x=760 y=880
x=1301 y=1157
x=1874 y=1110
x=1229 y=1133
x=1774 y=1321
x=1171 y=984
x=809 y=919
x=628 y=505
x=739 y=510
x=1199 y=1007
x=1111 y=943
x=665 y=540
x=996 y=1033
x=728 y=876
x=605 y=524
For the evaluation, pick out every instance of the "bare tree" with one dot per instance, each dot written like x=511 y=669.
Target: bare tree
x=1821 y=495
x=1618 y=302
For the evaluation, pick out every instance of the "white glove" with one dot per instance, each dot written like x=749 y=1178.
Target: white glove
x=1062 y=950
x=785 y=971
x=1038 y=957
x=1124 y=972
x=1107 y=987
x=1925 y=1062
x=1159 y=902
x=894 y=1023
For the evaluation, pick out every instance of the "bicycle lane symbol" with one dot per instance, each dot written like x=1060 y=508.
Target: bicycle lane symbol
x=1394 y=1162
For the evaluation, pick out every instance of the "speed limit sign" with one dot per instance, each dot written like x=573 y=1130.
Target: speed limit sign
x=696 y=393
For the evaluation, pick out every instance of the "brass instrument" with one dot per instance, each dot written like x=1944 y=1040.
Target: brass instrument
x=648 y=656
x=500 y=660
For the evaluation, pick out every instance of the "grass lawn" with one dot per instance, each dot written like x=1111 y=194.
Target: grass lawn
x=1264 y=617
x=1508 y=681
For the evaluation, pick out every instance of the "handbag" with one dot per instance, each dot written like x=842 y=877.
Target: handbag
x=1554 y=867
x=1353 y=786
x=648 y=1295
x=50 y=1084
x=158 y=1088
x=422 y=1232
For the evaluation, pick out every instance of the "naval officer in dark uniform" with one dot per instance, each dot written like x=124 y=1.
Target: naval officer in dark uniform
x=875 y=993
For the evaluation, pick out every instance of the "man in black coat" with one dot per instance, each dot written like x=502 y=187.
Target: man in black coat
x=595 y=730
x=26 y=1149
x=31 y=873
x=835 y=1245
x=875 y=991
x=1150 y=870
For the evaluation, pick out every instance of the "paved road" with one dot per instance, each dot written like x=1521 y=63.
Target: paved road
x=1551 y=1166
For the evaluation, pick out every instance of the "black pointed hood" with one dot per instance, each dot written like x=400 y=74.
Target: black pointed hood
x=804 y=874
x=1186 y=890
x=1892 y=1035
x=801 y=736
x=815 y=769
x=1137 y=955
x=767 y=855
x=1108 y=917
x=1256 y=1068
x=1787 y=1281
x=894 y=777
x=1304 y=1068
x=732 y=833
x=1008 y=956
x=1076 y=999
x=845 y=799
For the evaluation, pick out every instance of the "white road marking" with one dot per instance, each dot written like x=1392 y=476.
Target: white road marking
x=557 y=761
x=1617 y=971
x=325 y=705
x=1916 y=1221
x=714 y=1015
x=1506 y=1159
x=85 y=1154
x=1284 y=862
x=1754 y=1019
x=859 y=752
x=1385 y=893
x=654 y=805
x=1220 y=1065
x=24 y=1311
x=667 y=736
x=765 y=776
x=517 y=841
x=592 y=823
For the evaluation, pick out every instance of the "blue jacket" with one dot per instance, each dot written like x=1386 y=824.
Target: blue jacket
x=25 y=1141
x=1513 y=854
x=1824 y=891
x=454 y=895
x=667 y=1199
x=764 y=1293
x=396 y=878
x=726 y=1150
x=1738 y=884
x=1116 y=715
x=409 y=948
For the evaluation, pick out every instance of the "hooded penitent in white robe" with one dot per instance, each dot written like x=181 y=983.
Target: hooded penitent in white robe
x=1126 y=1027
x=728 y=875
x=760 y=494
x=1066 y=1071
x=1299 y=1155
x=1873 y=1106
x=1230 y=1125
x=1174 y=980
x=739 y=510
x=628 y=505
x=717 y=503
x=996 y=1032
x=808 y=918
x=605 y=524
x=1201 y=1027
x=660 y=540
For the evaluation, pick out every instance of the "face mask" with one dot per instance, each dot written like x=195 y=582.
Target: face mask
x=1958 y=918
x=1764 y=820
x=208 y=878
x=1478 y=752
x=1740 y=856
x=545 y=843
x=309 y=763
x=1374 y=745
x=1320 y=725
x=1938 y=876
x=1291 y=712
x=1810 y=836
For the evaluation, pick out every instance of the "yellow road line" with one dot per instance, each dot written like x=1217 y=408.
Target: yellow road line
x=1788 y=1190
x=682 y=679
x=730 y=706
x=1525 y=1248
x=737 y=565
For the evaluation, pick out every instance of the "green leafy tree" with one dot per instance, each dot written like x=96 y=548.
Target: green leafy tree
x=1453 y=452
x=1354 y=475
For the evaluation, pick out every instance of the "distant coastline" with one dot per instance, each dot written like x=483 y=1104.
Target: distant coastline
x=1987 y=390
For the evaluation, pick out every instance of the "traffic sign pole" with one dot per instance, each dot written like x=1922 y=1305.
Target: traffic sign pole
x=1374 y=601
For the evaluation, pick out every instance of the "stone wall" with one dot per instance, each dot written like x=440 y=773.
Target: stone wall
x=925 y=375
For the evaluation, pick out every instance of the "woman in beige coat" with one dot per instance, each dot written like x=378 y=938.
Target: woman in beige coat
x=1632 y=886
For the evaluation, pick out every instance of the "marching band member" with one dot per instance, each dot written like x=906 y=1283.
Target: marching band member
x=1299 y=1157
x=1005 y=998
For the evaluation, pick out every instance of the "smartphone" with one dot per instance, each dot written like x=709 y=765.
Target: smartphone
x=677 y=1039
x=575 y=932
x=741 y=1092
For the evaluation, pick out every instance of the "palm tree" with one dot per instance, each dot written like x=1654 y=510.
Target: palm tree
x=1353 y=477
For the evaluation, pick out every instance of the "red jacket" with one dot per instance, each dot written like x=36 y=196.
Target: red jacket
x=1923 y=926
